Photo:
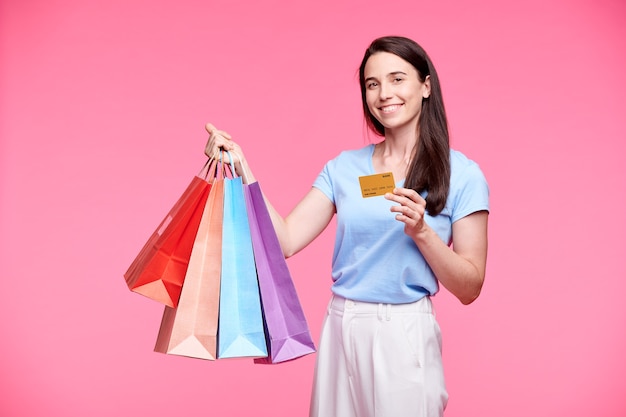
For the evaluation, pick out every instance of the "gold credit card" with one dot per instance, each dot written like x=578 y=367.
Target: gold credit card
x=377 y=184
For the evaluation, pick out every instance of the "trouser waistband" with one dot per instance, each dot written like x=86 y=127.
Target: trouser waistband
x=423 y=305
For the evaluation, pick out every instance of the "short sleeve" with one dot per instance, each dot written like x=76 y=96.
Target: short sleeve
x=470 y=193
x=324 y=184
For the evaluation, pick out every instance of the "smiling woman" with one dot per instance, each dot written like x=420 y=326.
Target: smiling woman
x=101 y=103
x=380 y=348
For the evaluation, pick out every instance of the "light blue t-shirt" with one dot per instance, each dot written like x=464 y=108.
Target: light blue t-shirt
x=373 y=259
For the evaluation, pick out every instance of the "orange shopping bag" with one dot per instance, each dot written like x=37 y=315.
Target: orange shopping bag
x=159 y=269
x=190 y=329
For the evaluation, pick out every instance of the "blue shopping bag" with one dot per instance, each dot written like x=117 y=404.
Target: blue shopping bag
x=240 y=332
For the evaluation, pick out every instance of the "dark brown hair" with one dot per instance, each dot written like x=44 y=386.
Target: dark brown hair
x=429 y=167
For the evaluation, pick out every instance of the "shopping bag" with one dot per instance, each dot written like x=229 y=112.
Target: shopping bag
x=159 y=269
x=287 y=332
x=190 y=329
x=241 y=332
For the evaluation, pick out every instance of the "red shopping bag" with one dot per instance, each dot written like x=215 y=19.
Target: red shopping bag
x=159 y=269
x=190 y=329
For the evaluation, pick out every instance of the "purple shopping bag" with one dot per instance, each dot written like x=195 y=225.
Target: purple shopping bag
x=287 y=332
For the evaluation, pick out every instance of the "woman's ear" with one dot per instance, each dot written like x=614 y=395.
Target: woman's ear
x=426 y=89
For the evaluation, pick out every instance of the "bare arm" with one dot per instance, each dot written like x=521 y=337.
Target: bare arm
x=461 y=269
x=303 y=224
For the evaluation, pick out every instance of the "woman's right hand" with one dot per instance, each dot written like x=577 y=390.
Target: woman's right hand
x=220 y=140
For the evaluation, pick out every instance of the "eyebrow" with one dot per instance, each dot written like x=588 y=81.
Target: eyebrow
x=391 y=74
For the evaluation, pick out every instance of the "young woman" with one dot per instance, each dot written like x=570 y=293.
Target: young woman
x=380 y=347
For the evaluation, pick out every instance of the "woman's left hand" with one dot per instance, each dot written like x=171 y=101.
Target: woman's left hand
x=410 y=210
x=460 y=267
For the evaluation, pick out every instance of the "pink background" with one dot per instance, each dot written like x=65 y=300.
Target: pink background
x=102 y=113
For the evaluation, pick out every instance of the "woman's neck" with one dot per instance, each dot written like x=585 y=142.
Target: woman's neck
x=399 y=144
x=394 y=153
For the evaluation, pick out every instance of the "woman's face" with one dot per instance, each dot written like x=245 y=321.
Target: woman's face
x=393 y=91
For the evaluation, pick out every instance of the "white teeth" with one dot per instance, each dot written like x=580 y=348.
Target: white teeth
x=389 y=109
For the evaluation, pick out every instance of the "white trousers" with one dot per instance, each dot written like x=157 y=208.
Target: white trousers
x=379 y=360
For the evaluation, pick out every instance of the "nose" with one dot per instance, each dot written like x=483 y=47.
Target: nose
x=384 y=92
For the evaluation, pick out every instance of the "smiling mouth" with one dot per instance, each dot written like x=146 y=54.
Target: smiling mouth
x=390 y=108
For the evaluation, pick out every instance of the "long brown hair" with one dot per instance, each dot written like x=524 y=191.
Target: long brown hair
x=429 y=167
